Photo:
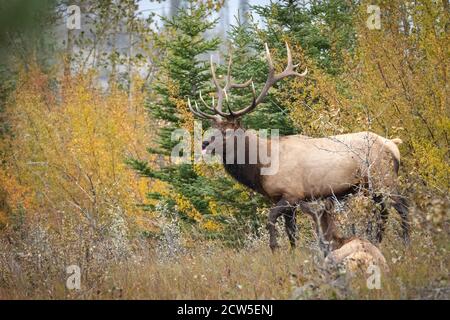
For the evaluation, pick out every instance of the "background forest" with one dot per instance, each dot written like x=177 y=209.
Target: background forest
x=85 y=141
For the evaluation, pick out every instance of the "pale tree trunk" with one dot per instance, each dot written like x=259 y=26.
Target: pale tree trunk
x=69 y=53
x=243 y=11
x=174 y=6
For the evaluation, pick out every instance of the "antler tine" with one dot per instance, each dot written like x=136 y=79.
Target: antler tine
x=196 y=107
x=192 y=109
x=218 y=107
x=290 y=63
x=198 y=112
x=229 y=83
x=227 y=102
x=304 y=73
x=253 y=91
x=204 y=102
x=241 y=85
x=289 y=56
x=226 y=95
x=290 y=68
x=213 y=73
x=269 y=58
x=230 y=61
x=208 y=116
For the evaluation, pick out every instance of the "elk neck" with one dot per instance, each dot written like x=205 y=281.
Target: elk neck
x=248 y=174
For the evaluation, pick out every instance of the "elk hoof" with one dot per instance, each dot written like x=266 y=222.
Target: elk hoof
x=406 y=240
x=274 y=246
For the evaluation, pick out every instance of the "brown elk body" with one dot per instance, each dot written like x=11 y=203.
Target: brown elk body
x=309 y=168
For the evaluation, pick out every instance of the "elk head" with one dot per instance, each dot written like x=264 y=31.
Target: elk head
x=223 y=120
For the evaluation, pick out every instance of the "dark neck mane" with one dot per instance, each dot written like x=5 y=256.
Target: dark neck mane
x=247 y=174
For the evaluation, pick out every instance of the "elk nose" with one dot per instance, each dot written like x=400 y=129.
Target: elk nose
x=205 y=144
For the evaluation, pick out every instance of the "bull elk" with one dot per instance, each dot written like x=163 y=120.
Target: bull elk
x=309 y=168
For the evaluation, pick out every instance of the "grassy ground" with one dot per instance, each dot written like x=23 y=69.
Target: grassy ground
x=209 y=271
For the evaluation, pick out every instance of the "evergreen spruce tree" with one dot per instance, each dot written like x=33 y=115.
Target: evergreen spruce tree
x=323 y=27
x=183 y=72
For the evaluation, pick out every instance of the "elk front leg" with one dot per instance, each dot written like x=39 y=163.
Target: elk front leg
x=273 y=216
x=291 y=226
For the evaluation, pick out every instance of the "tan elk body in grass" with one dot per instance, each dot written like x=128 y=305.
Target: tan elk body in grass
x=357 y=254
x=308 y=168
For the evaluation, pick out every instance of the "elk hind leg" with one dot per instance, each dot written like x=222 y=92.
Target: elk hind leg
x=401 y=206
x=273 y=216
x=382 y=217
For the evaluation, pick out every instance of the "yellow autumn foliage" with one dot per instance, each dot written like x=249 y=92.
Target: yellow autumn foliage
x=396 y=84
x=68 y=145
x=400 y=74
x=13 y=196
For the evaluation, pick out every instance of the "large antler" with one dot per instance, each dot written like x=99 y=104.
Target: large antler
x=222 y=95
x=272 y=78
x=222 y=92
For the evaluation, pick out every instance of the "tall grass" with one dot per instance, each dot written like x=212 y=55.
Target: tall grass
x=175 y=267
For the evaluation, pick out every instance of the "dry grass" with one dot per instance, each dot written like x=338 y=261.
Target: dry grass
x=210 y=271
x=120 y=265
